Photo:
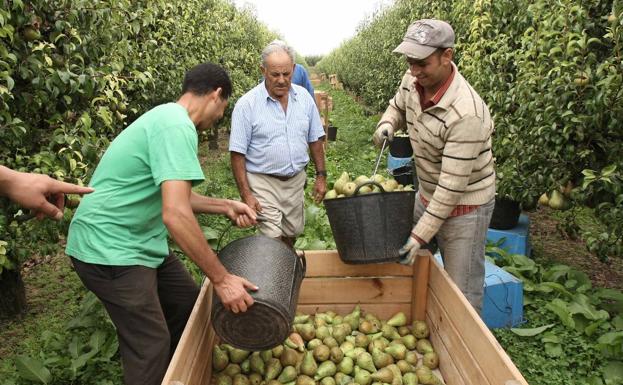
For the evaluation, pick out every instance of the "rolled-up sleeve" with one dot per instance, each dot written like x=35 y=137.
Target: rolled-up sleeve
x=240 y=135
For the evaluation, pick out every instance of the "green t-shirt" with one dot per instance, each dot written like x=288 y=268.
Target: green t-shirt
x=121 y=222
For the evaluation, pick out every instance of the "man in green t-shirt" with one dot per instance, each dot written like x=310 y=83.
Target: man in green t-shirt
x=118 y=237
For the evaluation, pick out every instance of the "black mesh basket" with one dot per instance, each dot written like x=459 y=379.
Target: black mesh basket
x=371 y=228
x=278 y=271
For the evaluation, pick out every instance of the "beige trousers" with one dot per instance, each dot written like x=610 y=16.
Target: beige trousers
x=282 y=202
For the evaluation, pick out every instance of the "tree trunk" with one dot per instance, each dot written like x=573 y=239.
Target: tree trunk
x=12 y=293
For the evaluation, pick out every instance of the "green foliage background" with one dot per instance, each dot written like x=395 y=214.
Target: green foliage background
x=74 y=73
x=552 y=75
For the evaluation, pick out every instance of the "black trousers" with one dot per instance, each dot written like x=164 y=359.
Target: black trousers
x=149 y=308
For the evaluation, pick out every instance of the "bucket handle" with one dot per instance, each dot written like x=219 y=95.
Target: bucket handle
x=369 y=183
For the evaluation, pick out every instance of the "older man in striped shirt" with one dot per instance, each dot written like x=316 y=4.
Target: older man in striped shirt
x=273 y=126
x=450 y=130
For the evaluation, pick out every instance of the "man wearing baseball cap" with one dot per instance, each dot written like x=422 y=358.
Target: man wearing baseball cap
x=450 y=130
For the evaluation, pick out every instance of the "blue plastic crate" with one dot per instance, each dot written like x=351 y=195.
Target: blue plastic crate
x=502 y=304
x=516 y=240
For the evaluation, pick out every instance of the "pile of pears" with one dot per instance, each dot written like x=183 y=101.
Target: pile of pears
x=329 y=349
x=345 y=187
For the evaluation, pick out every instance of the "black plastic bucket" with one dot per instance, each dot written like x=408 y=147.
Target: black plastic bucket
x=331 y=133
x=405 y=175
x=371 y=228
x=278 y=271
x=400 y=147
x=506 y=214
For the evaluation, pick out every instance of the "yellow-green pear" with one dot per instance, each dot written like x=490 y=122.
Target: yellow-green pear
x=349 y=189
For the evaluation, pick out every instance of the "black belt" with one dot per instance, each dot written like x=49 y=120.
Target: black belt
x=282 y=178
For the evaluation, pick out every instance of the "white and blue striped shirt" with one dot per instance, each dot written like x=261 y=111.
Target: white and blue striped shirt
x=272 y=141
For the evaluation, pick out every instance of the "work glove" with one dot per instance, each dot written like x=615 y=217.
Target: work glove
x=385 y=129
x=408 y=251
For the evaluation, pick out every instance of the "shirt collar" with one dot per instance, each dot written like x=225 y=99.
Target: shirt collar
x=439 y=94
x=265 y=95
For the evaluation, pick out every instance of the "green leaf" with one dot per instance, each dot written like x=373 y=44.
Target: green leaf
x=560 y=308
x=32 y=369
x=209 y=233
x=531 y=332
x=613 y=371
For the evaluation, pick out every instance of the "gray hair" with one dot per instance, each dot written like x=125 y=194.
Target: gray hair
x=274 y=46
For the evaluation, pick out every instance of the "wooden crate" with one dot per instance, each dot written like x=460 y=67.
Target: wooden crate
x=468 y=352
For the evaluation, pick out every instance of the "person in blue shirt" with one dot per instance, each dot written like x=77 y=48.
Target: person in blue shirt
x=301 y=78
x=273 y=127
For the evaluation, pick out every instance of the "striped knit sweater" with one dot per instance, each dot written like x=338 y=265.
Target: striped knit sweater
x=451 y=145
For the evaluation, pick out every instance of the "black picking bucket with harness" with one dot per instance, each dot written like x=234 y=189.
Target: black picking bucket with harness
x=278 y=272
x=371 y=228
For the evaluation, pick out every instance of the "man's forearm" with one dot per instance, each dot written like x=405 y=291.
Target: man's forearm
x=185 y=231
x=240 y=173
x=6 y=174
x=206 y=205
x=317 y=153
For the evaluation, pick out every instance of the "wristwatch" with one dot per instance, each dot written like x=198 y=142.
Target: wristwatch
x=321 y=173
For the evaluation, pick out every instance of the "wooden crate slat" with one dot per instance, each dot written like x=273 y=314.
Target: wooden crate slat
x=327 y=263
x=447 y=367
x=420 y=272
x=384 y=310
x=463 y=358
x=486 y=350
x=353 y=290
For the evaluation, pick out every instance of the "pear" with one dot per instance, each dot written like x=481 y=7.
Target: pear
x=257 y=363
x=255 y=379
x=365 y=190
x=398 y=351
x=353 y=318
x=387 y=186
x=408 y=187
x=301 y=318
x=398 y=319
x=325 y=369
x=220 y=359
x=346 y=365
x=379 y=343
x=319 y=321
x=340 y=332
x=273 y=382
x=342 y=379
x=412 y=358
x=304 y=380
x=557 y=200
x=313 y=343
x=277 y=351
x=381 y=359
x=266 y=355
x=328 y=381
x=362 y=376
x=306 y=331
x=431 y=359
x=273 y=368
x=423 y=346
x=349 y=189
x=240 y=379
x=403 y=330
x=364 y=361
x=330 y=342
x=361 y=179
x=321 y=353
x=288 y=357
x=420 y=329
x=223 y=379
x=338 y=319
x=345 y=176
x=410 y=379
x=238 y=355
x=544 y=200
x=232 y=369
x=347 y=346
x=295 y=341
x=405 y=367
x=389 y=332
x=354 y=353
x=384 y=375
x=362 y=340
x=378 y=178
x=425 y=376
x=409 y=341
x=245 y=366
x=322 y=332
x=288 y=374
x=397 y=380
x=341 y=196
x=336 y=354
x=309 y=365
x=366 y=327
